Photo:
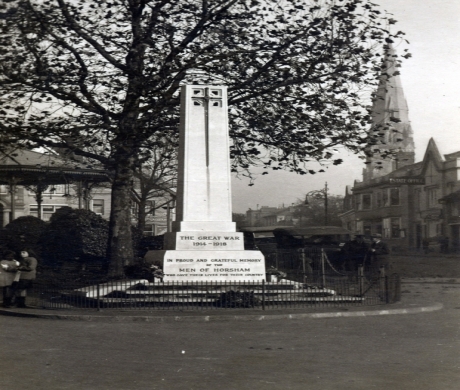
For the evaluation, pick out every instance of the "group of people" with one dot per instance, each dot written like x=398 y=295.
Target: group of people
x=358 y=252
x=20 y=271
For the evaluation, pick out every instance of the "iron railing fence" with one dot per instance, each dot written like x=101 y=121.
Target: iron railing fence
x=142 y=294
x=294 y=280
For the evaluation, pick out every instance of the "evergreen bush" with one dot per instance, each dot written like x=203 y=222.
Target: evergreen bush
x=75 y=237
x=23 y=232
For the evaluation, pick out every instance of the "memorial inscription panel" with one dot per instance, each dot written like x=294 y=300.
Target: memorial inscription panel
x=215 y=266
x=206 y=241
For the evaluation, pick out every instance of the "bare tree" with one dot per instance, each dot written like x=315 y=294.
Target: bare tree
x=155 y=184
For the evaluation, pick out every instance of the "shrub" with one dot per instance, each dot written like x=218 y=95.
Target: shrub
x=149 y=243
x=75 y=236
x=23 y=232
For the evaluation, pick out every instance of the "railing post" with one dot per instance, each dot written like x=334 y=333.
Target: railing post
x=263 y=294
x=387 y=290
x=382 y=283
x=361 y=279
x=98 y=298
x=323 y=273
x=302 y=255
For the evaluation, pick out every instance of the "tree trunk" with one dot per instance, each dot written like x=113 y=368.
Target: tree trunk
x=120 y=246
x=141 y=215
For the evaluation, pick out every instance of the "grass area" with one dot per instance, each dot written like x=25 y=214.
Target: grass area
x=433 y=265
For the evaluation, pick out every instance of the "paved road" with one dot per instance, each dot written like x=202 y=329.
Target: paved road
x=413 y=351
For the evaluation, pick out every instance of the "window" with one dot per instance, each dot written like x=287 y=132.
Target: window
x=149 y=230
x=392 y=228
x=385 y=199
x=367 y=230
x=394 y=114
x=432 y=228
x=417 y=199
x=386 y=228
x=98 y=206
x=55 y=189
x=432 y=197
x=394 y=196
x=47 y=210
x=395 y=228
x=150 y=207
x=3 y=189
x=379 y=199
x=357 y=202
x=454 y=209
x=367 y=201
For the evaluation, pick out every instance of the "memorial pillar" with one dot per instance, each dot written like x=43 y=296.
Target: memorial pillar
x=204 y=244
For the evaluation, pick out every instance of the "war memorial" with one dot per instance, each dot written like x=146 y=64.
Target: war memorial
x=204 y=244
x=203 y=262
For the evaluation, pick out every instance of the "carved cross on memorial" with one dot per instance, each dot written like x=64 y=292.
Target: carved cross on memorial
x=204 y=192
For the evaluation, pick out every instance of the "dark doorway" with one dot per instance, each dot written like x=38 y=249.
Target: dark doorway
x=455 y=230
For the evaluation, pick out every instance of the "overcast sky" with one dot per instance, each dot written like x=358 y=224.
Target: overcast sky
x=431 y=84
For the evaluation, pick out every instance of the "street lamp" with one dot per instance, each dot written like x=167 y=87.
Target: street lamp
x=318 y=194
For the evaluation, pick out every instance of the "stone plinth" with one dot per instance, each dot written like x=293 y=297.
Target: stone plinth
x=196 y=266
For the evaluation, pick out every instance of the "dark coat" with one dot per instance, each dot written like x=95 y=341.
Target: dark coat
x=380 y=255
x=354 y=253
x=379 y=248
x=28 y=268
x=355 y=249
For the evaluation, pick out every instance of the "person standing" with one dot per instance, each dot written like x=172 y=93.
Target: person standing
x=355 y=253
x=380 y=254
x=10 y=266
x=28 y=268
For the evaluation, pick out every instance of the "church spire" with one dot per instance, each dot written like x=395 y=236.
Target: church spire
x=394 y=145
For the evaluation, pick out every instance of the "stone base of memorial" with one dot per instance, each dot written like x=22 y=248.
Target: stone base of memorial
x=216 y=266
x=208 y=257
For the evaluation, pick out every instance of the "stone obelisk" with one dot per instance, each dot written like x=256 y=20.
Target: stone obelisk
x=204 y=244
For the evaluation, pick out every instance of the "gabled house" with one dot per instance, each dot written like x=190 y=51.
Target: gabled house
x=406 y=202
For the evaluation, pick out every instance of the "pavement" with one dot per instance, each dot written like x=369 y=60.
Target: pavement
x=412 y=302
